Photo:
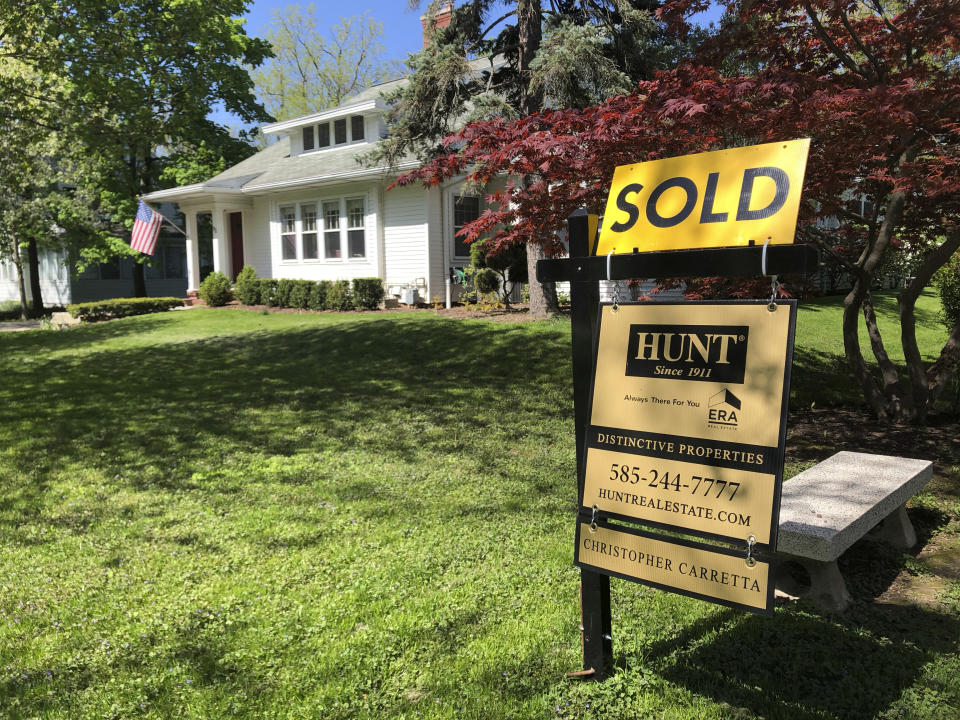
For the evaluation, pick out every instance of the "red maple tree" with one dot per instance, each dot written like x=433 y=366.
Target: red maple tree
x=874 y=84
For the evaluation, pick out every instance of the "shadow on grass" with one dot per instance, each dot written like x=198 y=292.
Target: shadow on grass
x=165 y=415
x=798 y=666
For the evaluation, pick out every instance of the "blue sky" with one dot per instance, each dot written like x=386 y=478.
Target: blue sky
x=402 y=31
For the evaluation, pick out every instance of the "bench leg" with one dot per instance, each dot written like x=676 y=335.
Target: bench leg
x=827 y=590
x=897 y=530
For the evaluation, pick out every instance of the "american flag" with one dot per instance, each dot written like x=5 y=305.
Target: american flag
x=146 y=227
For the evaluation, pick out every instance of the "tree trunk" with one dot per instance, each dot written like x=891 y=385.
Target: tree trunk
x=18 y=265
x=543 y=296
x=36 y=295
x=139 y=281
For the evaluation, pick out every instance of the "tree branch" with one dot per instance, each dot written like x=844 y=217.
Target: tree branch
x=841 y=56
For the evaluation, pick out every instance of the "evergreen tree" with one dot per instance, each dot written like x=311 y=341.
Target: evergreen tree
x=540 y=53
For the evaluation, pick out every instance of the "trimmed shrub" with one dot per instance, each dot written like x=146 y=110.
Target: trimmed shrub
x=121 y=307
x=300 y=294
x=268 y=292
x=215 y=289
x=368 y=293
x=318 y=295
x=284 y=287
x=486 y=280
x=339 y=296
x=9 y=310
x=247 y=288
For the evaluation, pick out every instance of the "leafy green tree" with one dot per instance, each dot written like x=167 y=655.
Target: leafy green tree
x=539 y=53
x=139 y=78
x=40 y=206
x=311 y=70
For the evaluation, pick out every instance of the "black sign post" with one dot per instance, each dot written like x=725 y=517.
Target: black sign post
x=583 y=271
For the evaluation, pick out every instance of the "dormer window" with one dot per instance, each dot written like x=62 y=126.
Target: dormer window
x=340 y=131
x=321 y=135
x=356 y=127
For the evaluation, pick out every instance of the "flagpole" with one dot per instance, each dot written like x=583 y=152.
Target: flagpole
x=164 y=217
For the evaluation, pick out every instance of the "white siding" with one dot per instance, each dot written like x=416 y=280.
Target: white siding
x=405 y=232
x=54 y=280
x=436 y=237
x=256 y=237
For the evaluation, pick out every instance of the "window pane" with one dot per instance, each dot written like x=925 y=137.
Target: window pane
x=175 y=263
x=323 y=135
x=331 y=216
x=355 y=213
x=331 y=244
x=153 y=268
x=288 y=220
x=465 y=209
x=356 y=127
x=310 y=249
x=110 y=270
x=308 y=138
x=356 y=244
x=340 y=131
x=308 y=218
x=289 y=243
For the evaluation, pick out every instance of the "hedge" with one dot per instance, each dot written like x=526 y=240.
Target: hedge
x=121 y=307
x=362 y=293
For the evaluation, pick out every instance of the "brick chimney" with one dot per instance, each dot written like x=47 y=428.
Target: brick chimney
x=440 y=20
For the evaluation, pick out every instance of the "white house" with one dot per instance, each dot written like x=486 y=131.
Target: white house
x=306 y=208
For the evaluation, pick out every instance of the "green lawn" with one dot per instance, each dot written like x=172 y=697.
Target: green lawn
x=216 y=513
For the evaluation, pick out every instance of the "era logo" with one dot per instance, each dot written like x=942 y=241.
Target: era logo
x=722 y=409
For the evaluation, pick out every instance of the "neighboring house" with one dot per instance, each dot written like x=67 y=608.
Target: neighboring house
x=305 y=207
x=61 y=284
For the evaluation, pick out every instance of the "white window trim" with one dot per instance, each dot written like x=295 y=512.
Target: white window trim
x=334 y=145
x=451 y=225
x=369 y=227
x=346 y=229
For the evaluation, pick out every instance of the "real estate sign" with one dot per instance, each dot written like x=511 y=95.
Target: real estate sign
x=724 y=198
x=686 y=433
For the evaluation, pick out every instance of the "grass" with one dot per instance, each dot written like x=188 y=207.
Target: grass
x=219 y=514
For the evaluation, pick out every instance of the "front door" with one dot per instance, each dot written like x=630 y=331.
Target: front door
x=236 y=242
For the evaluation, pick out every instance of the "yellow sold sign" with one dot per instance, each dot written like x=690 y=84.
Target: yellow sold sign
x=715 y=199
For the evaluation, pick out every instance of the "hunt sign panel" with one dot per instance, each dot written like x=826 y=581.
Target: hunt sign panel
x=689 y=568
x=687 y=419
x=715 y=199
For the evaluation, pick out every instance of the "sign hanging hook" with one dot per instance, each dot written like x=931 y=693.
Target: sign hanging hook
x=616 y=284
x=774 y=283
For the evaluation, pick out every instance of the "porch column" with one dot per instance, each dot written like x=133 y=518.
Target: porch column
x=221 y=241
x=193 y=251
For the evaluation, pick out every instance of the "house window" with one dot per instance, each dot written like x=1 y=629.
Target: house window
x=288 y=233
x=356 y=127
x=465 y=209
x=110 y=270
x=331 y=229
x=340 y=131
x=167 y=263
x=308 y=229
x=356 y=240
x=323 y=135
x=308 y=138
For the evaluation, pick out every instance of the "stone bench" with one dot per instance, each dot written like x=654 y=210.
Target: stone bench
x=826 y=509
